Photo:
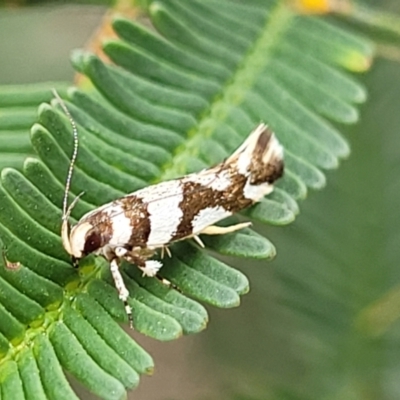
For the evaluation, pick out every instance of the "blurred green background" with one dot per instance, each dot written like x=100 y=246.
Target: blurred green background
x=321 y=320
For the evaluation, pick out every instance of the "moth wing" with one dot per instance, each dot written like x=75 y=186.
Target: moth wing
x=166 y=206
x=162 y=201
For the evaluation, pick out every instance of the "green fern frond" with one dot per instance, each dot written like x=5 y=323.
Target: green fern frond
x=172 y=102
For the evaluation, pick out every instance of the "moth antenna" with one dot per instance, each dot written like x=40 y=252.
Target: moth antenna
x=66 y=209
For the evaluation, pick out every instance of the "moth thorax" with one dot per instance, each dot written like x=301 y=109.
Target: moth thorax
x=85 y=239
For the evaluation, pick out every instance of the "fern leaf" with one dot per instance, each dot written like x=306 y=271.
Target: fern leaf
x=172 y=102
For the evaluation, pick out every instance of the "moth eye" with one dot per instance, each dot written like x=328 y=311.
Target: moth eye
x=92 y=242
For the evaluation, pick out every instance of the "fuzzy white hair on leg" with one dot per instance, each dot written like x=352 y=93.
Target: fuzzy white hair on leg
x=151 y=268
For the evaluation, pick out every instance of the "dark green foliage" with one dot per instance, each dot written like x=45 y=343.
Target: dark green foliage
x=174 y=102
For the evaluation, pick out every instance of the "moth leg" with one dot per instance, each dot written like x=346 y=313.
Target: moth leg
x=165 y=249
x=120 y=252
x=121 y=288
x=168 y=283
x=168 y=251
x=148 y=267
x=198 y=241
x=75 y=262
x=151 y=268
x=221 y=230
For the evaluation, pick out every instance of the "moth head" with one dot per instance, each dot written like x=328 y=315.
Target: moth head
x=83 y=239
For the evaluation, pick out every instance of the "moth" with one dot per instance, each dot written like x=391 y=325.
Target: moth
x=134 y=227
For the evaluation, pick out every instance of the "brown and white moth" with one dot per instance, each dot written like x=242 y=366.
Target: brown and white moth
x=133 y=227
